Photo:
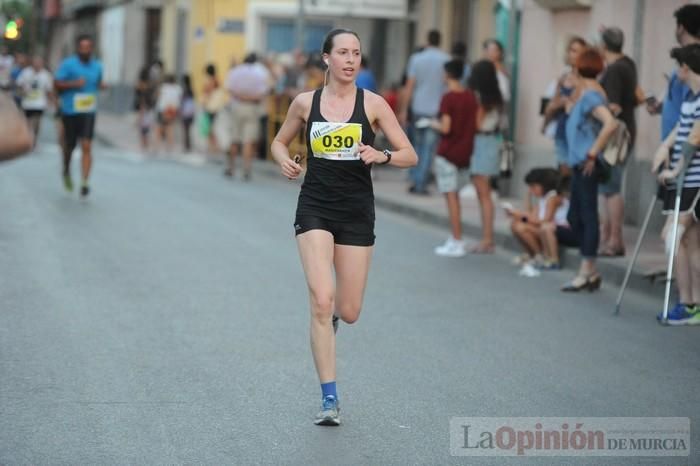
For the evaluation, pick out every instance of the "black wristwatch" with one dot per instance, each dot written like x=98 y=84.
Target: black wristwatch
x=386 y=152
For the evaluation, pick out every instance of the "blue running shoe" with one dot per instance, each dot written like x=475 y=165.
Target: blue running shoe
x=330 y=412
x=676 y=316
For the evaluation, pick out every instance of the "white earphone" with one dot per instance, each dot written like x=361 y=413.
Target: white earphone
x=325 y=60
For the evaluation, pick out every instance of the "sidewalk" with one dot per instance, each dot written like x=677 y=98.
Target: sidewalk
x=390 y=189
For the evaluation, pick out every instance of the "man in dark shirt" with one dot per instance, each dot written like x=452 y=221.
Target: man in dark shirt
x=620 y=83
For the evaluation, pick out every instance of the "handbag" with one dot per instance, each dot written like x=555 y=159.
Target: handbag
x=507 y=154
x=506 y=151
x=204 y=124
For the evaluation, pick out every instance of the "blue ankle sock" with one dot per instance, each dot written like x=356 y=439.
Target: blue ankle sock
x=329 y=389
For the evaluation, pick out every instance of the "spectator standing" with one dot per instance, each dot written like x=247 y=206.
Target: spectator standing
x=423 y=91
x=36 y=88
x=588 y=129
x=7 y=62
x=486 y=161
x=168 y=108
x=187 y=112
x=144 y=103
x=687 y=32
x=213 y=101
x=619 y=80
x=684 y=145
x=459 y=52
x=493 y=52
x=21 y=62
x=563 y=97
x=248 y=85
x=457 y=125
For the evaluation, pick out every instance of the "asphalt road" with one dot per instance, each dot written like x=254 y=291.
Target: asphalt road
x=165 y=321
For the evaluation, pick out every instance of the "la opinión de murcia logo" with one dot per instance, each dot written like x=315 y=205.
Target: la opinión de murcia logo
x=543 y=437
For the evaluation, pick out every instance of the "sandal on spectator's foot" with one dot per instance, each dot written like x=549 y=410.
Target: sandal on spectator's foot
x=580 y=283
x=610 y=252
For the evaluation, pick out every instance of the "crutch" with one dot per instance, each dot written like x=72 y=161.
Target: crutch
x=637 y=247
x=674 y=234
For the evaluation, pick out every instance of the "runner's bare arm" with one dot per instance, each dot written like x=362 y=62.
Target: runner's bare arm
x=403 y=154
x=293 y=123
x=15 y=137
x=66 y=85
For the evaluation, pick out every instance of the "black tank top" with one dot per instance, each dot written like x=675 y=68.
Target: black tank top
x=338 y=185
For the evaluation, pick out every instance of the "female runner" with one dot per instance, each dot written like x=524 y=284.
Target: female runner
x=334 y=223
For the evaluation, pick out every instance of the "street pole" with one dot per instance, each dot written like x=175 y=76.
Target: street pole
x=510 y=60
x=34 y=27
x=300 y=26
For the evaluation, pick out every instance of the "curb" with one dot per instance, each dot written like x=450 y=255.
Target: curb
x=613 y=273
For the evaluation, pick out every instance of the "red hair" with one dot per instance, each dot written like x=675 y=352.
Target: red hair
x=590 y=63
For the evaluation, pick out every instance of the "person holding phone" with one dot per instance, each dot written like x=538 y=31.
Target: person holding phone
x=527 y=226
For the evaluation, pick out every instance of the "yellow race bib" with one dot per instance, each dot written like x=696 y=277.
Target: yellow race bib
x=336 y=141
x=34 y=95
x=84 y=103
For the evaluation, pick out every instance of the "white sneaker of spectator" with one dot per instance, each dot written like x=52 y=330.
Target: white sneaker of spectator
x=529 y=271
x=468 y=192
x=452 y=248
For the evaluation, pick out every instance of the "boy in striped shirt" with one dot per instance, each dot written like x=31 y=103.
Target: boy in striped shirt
x=684 y=146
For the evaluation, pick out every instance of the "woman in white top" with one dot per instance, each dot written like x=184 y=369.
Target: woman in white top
x=550 y=210
x=36 y=88
x=168 y=107
x=486 y=160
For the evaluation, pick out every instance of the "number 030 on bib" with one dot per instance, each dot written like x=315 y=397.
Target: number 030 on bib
x=336 y=141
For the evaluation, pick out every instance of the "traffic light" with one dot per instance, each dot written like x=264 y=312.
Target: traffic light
x=12 y=30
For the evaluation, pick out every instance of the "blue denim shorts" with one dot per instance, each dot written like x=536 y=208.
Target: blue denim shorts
x=614 y=183
x=562 y=152
x=486 y=158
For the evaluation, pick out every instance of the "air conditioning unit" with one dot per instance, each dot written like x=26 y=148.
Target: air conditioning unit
x=564 y=4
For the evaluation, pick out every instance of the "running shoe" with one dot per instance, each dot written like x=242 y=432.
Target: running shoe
x=451 y=248
x=335 y=324
x=330 y=412
x=529 y=271
x=548 y=265
x=694 y=315
x=68 y=183
x=677 y=315
x=84 y=191
x=521 y=259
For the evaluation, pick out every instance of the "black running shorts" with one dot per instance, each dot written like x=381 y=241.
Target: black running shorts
x=359 y=233
x=78 y=127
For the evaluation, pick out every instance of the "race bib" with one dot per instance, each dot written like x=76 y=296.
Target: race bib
x=34 y=95
x=84 y=103
x=336 y=141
